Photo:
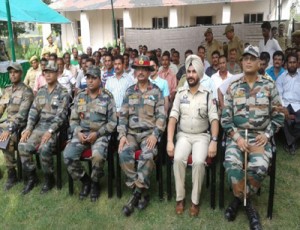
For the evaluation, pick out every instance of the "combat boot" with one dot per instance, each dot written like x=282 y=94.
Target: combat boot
x=86 y=187
x=252 y=216
x=49 y=183
x=132 y=202
x=12 y=179
x=231 y=210
x=95 y=191
x=32 y=181
x=143 y=203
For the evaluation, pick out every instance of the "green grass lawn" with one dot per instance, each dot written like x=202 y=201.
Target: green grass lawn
x=58 y=210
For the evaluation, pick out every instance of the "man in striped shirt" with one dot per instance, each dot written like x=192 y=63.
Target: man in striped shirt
x=119 y=82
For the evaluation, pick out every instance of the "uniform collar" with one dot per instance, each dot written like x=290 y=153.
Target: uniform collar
x=149 y=87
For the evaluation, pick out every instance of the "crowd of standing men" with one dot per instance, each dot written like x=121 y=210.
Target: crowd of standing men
x=145 y=95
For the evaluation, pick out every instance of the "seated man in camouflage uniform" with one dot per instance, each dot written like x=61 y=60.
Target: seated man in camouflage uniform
x=93 y=119
x=16 y=100
x=252 y=102
x=46 y=116
x=142 y=120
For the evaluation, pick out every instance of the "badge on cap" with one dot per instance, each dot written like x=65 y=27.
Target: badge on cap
x=141 y=62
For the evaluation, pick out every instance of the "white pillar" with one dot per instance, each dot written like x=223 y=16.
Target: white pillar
x=173 y=17
x=226 y=14
x=85 y=30
x=127 y=22
x=64 y=38
x=46 y=28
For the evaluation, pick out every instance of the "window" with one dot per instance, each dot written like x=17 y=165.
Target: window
x=251 y=18
x=120 y=28
x=204 y=20
x=160 y=23
x=78 y=32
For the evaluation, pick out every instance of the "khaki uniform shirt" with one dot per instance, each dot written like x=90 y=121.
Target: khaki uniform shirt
x=52 y=49
x=31 y=77
x=238 y=44
x=195 y=111
x=210 y=48
x=283 y=42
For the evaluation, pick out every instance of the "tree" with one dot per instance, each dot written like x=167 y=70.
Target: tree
x=18 y=28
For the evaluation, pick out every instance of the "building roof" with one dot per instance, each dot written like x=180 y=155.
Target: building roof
x=78 y=5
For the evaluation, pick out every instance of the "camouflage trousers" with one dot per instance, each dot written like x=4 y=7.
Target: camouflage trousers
x=33 y=146
x=137 y=176
x=257 y=166
x=73 y=152
x=9 y=152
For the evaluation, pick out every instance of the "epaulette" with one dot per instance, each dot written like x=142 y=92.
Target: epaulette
x=182 y=88
x=109 y=93
x=267 y=77
x=8 y=86
x=81 y=91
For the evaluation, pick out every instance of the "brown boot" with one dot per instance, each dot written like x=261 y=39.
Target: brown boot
x=180 y=207
x=194 y=209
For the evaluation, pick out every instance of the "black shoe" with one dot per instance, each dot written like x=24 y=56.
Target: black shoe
x=133 y=202
x=12 y=179
x=95 y=191
x=49 y=183
x=143 y=203
x=292 y=149
x=32 y=181
x=252 y=216
x=232 y=209
x=86 y=187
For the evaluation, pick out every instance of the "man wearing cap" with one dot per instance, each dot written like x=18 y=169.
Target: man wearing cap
x=251 y=103
x=234 y=42
x=93 y=119
x=47 y=115
x=211 y=45
x=195 y=110
x=282 y=37
x=16 y=100
x=296 y=39
x=142 y=121
x=33 y=72
x=51 y=47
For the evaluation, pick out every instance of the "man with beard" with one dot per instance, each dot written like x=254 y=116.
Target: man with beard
x=196 y=110
x=142 y=120
x=276 y=70
x=252 y=103
x=288 y=85
x=93 y=119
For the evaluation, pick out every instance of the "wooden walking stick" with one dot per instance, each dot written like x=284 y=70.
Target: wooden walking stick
x=245 y=165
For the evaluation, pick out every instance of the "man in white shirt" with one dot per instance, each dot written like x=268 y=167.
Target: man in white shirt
x=222 y=74
x=288 y=85
x=119 y=82
x=201 y=54
x=65 y=77
x=268 y=44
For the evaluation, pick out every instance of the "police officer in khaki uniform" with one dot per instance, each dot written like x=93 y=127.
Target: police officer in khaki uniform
x=33 y=72
x=296 y=39
x=195 y=108
x=282 y=37
x=211 y=45
x=51 y=47
x=234 y=42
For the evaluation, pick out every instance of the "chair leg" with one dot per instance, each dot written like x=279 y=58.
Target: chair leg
x=169 y=179
x=71 y=185
x=207 y=176
x=110 y=174
x=272 y=186
x=118 y=178
x=58 y=162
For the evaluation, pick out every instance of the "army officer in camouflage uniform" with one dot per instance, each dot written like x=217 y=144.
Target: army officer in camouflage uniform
x=142 y=120
x=252 y=103
x=93 y=119
x=46 y=116
x=16 y=100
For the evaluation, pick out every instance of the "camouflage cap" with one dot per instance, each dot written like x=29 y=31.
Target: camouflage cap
x=228 y=28
x=209 y=30
x=252 y=50
x=51 y=67
x=15 y=66
x=142 y=61
x=33 y=58
x=296 y=33
x=94 y=71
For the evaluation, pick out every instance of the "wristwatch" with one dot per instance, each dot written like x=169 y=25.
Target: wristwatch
x=214 y=139
x=51 y=131
x=268 y=135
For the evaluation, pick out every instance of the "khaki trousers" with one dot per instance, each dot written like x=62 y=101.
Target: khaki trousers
x=197 y=144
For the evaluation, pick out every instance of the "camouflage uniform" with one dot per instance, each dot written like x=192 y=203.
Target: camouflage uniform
x=141 y=115
x=90 y=115
x=48 y=111
x=254 y=109
x=17 y=102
